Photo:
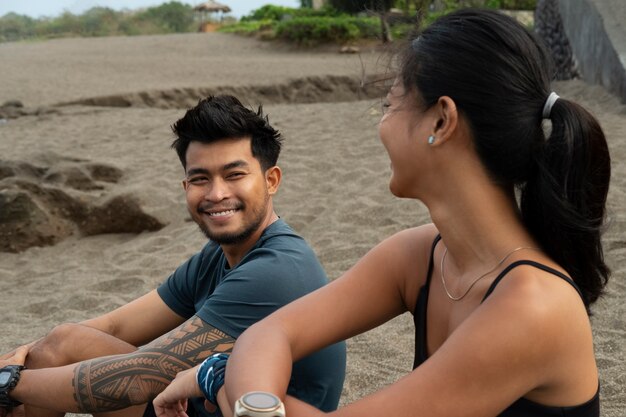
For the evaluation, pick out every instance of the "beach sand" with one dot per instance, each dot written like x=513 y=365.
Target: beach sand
x=335 y=189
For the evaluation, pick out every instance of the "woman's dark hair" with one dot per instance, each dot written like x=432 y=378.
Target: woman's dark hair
x=224 y=117
x=499 y=74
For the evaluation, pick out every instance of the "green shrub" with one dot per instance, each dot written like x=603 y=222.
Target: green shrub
x=514 y=4
x=67 y=24
x=100 y=21
x=369 y=27
x=356 y=6
x=316 y=30
x=278 y=13
x=248 y=27
x=402 y=30
x=325 y=11
x=268 y=12
x=451 y=5
x=172 y=16
x=138 y=25
x=14 y=27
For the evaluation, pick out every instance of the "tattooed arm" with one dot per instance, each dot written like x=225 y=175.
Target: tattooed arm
x=116 y=382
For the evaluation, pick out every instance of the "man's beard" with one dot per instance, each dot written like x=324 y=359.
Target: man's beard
x=241 y=235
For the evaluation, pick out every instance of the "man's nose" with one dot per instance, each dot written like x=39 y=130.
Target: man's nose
x=217 y=191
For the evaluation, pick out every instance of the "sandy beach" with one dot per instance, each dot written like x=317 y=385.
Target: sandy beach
x=125 y=94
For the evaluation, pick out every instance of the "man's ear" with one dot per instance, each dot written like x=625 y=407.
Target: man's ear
x=273 y=176
x=446 y=119
x=185 y=184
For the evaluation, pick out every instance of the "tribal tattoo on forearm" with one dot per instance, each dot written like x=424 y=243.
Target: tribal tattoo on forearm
x=116 y=382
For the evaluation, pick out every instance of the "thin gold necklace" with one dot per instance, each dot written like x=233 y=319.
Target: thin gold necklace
x=443 y=278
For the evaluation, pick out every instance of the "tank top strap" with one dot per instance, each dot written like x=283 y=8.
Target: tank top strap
x=431 y=260
x=536 y=265
x=421 y=307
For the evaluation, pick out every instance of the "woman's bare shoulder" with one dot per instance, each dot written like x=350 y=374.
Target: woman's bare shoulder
x=415 y=238
x=407 y=255
x=538 y=290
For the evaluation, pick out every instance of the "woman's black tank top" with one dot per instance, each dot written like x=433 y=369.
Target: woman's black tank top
x=521 y=407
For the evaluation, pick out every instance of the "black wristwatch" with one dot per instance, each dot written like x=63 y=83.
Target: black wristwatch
x=9 y=376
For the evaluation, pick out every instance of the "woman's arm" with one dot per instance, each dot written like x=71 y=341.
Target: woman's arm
x=523 y=341
x=369 y=294
x=531 y=339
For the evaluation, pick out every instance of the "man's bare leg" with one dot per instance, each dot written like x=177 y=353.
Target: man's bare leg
x=70 y=343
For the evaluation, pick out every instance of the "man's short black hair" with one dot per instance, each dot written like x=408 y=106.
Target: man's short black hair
x=224 y=117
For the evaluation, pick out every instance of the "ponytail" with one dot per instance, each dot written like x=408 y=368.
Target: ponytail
x=563 y=200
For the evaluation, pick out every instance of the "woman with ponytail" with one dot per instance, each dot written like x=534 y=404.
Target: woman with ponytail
x=500 y=284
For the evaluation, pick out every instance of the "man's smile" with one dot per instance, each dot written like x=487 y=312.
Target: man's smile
x=221 y=213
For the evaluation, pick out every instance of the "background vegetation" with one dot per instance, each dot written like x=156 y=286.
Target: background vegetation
x=339 y=22
x=348 y=20
x=169 y=17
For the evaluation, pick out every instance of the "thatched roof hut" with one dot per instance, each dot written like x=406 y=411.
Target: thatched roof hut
x=212 y=6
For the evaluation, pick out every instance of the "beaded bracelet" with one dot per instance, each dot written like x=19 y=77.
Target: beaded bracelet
x=210 y=375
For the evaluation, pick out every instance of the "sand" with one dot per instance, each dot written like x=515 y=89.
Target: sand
x=334 y=191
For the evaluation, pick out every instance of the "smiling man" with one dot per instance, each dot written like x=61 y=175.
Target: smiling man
x=253 y=264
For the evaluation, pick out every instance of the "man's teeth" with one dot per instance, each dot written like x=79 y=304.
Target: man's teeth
x=222 y=213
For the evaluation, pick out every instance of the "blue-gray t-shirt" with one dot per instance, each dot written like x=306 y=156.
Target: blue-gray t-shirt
x=280 y=268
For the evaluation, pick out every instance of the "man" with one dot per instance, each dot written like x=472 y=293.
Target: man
x=252 y=265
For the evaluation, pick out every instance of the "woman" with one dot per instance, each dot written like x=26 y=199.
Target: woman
x=500 y=290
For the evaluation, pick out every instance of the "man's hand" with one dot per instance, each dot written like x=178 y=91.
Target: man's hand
x=172 y=402
x=14 y=353
x=18 y=358
x=15 y=412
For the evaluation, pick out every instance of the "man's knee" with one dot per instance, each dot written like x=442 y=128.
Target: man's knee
x=51 y=350
x=69 y=342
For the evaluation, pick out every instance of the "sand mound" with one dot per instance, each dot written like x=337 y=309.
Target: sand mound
x=42 y=204
x=13 y=109
x=322 y=89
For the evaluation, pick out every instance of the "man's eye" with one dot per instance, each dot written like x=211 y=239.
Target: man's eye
x=235 y=175
x=385 y=105
x=197 y=180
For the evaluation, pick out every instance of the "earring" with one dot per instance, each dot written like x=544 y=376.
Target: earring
x=431 y=139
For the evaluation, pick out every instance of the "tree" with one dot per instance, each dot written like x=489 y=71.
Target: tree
x=379 y=7
x=356 y=6
x=100 y=21
x=14 y=27
x=174 y=16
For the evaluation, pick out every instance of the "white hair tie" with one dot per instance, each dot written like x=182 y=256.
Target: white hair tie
x=547 y=108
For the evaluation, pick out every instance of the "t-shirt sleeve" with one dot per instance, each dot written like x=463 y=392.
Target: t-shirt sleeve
x=179 y=289
x=267 y=281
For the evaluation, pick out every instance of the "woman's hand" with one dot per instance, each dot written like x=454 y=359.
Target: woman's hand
x=172 y=401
